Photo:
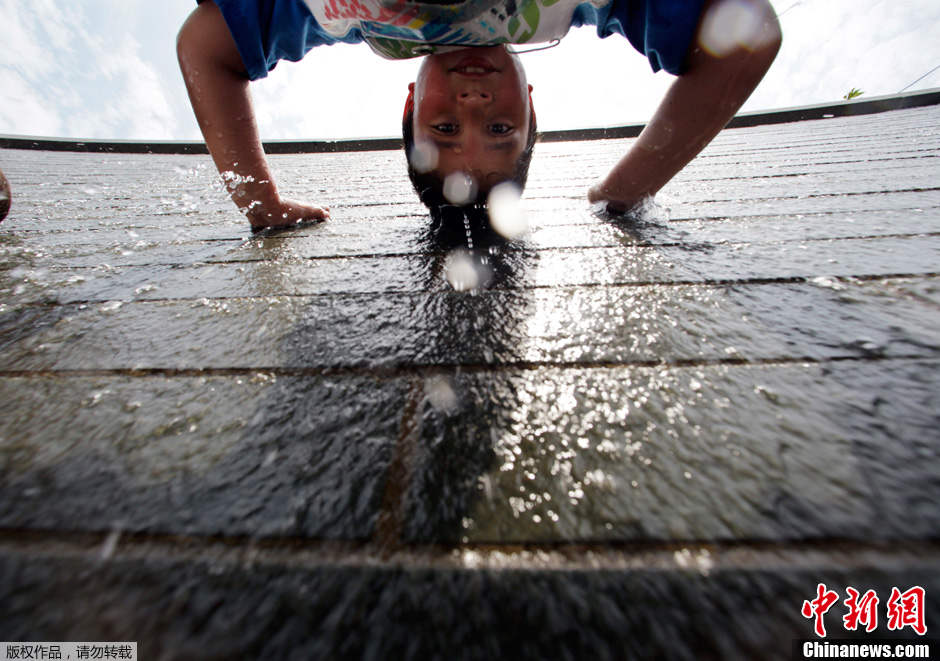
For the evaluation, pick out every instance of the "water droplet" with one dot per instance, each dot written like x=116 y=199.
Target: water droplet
x=269 y=458
x=460 y=188
x=110 y=544
x=441 y=395
x=460 y=271
x=766 y=392
x=733 y=24
x=869 y=346
x=424 y=156
x=506 y=213
x=828 y=283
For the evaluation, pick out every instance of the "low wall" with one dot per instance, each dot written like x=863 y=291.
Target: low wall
x=796 y=114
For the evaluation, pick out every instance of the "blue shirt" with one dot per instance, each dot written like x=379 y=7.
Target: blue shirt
x=267 y=31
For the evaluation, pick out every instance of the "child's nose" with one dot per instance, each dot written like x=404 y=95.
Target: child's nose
x=474 y=97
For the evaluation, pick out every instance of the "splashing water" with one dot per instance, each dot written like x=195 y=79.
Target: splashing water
x=733 y=24
x=441 y=395
x=109 y=545
x=652 y=212
x=506 y=213
x=424 y=157
x=460 y=188
x=468 y=231
x=648 y=211
x=232 y=180
x=827 y=283
x=460 y=271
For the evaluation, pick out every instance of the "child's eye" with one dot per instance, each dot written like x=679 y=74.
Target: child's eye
x=500 y=129
x=446 y=129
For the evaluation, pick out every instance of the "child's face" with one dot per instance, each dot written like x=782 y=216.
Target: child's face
x=473 y=105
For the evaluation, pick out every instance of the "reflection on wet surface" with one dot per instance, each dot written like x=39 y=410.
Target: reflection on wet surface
x=666 y=454
x=386 y=436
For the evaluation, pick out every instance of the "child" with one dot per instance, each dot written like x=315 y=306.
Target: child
x=5 y=197
x=470 y=113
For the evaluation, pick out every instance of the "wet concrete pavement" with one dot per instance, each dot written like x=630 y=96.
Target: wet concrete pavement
x=648 y=439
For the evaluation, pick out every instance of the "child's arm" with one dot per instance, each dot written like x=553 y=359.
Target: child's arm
x=218 y=90
x=696 y=107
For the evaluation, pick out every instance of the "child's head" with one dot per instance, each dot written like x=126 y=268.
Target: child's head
x=469 y=111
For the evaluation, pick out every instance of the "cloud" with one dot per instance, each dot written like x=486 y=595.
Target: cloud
x=137 y=101
x=587 y=82
x=23 y=111
x=831 y=46
x=337 y=91
x=67 y=75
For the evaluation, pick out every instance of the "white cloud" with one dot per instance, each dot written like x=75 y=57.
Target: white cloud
x=831 y=46
x=23 y=110
x=66 y=73
x=335 y=92
x=135 y=96
x=32 y=33
x=586 y=81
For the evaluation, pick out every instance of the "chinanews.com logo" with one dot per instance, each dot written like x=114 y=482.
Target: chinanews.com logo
x=903 y=611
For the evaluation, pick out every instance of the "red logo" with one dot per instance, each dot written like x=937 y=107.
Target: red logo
x=861 y=611
x=904 y=609
x=819 y=606
x=907 y=609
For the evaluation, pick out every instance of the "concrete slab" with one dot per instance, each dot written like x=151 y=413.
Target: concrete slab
x=717 y=453
x=650 y=438
x=218 y=604
x=253 y=455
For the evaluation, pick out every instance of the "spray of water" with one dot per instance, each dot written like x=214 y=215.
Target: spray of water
x=646 y=211
x=441 y=395
x=506 y=213
x=461 y=272
x=460 y=188
x=731 y=25
x=424 y=156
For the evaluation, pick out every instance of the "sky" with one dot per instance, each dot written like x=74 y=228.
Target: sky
x=106 y=69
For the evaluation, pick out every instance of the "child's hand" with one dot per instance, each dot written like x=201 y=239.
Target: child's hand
x=618 y=200
x=698 y=104
x=217 y=83
x=280 y=212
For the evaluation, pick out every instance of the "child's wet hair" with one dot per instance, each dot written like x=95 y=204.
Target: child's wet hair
x=430 y=186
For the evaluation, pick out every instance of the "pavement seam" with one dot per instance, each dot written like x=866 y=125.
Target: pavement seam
x=691 y=556
x=286 y=235
x=652 y=246
x=437 y=369
x=705 y=282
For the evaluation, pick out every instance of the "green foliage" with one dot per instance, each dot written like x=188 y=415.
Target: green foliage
x=854 y=92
